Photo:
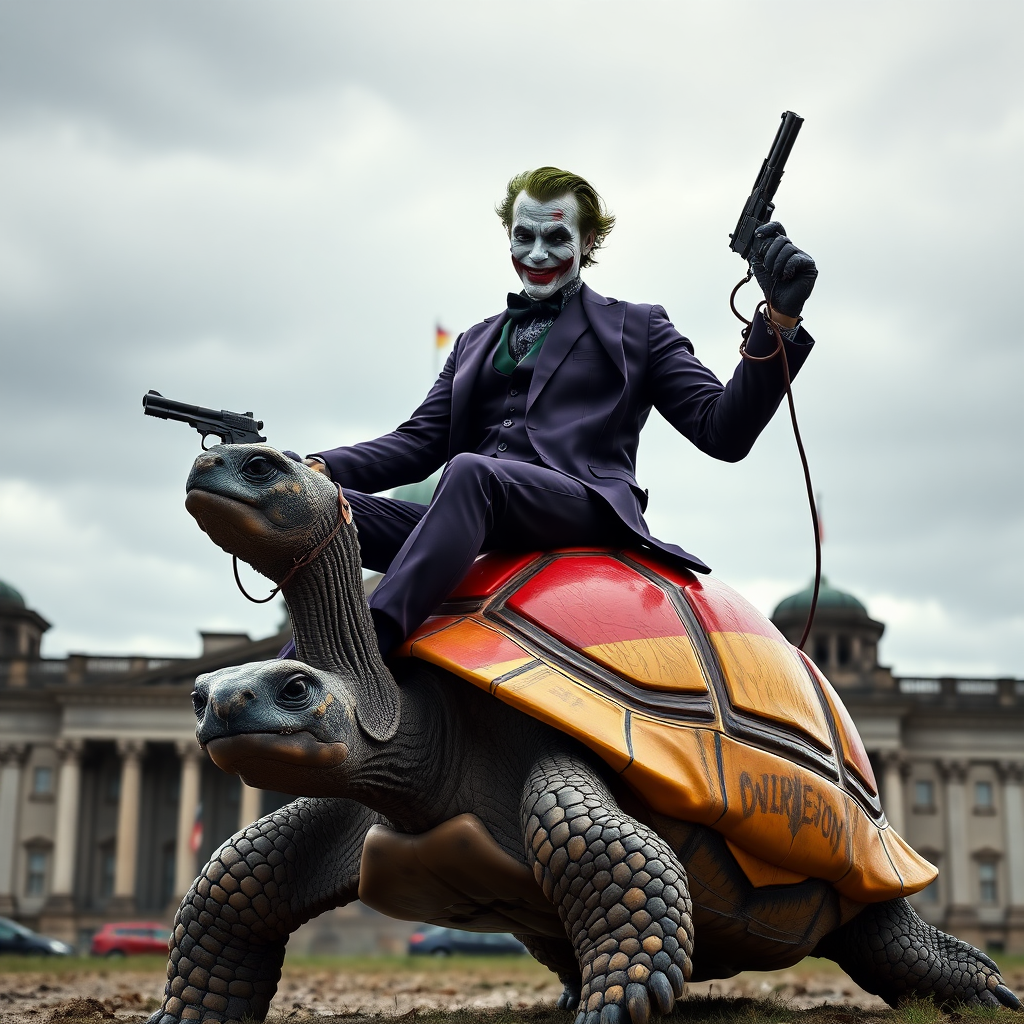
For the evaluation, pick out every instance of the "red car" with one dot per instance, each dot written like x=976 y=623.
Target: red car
x=125 y=938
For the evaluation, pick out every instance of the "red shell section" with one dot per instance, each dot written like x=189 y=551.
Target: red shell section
x=721 y=610
x=591 y=600
x=490 y=573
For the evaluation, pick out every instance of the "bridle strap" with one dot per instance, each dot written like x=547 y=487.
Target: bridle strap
x=344 y=519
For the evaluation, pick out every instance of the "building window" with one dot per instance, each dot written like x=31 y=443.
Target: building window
x=112 y=788
x=42 y=780
x=987 y=882
x=821 y=651
x=167 y=866
x=843 y=650
x=983 y=798
x=107 y=862
x=924 y=795
x=35 y=879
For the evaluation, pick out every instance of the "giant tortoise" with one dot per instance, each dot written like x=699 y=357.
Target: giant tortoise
x=625 y=765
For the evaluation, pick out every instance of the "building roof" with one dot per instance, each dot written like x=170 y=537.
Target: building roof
x=8 y=595
x=829 y=598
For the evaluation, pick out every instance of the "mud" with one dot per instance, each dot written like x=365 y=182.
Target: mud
x=362 y=989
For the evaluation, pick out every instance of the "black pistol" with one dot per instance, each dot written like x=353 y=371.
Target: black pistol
x=230 y=427
x=759 y=207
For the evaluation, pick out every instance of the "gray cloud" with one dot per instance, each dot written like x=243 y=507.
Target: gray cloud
x=267 y=207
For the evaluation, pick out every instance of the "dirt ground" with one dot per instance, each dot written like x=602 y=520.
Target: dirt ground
x=458 y=989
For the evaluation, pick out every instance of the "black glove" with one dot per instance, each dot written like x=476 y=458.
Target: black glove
x=294 y=456
x=785 y=273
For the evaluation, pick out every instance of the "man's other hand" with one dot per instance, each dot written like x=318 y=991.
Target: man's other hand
x=785 y=273
x=317 y=465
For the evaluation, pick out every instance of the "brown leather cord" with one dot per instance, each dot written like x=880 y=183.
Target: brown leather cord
x=780 y=350
x=344 y=518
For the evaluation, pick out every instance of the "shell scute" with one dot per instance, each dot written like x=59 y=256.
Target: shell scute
x=609 y=612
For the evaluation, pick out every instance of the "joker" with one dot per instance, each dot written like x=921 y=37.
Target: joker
x=537 y=413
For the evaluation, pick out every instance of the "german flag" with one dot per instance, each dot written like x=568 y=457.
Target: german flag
x=441 y=336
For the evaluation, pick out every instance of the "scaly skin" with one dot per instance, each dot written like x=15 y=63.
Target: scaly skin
x=620 y=892
x=230 y=931
x=888 y=950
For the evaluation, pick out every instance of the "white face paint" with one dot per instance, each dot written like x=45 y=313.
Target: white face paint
x=546 y=244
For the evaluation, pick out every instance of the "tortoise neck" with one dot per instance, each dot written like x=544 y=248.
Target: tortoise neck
x=333 y=630
x=412 y=780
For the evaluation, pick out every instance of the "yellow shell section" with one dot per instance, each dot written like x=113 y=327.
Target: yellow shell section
x=765 y=677
x=778 y=812
x=666 y=663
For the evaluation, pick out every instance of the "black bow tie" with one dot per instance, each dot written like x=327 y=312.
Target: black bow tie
x=522 y=308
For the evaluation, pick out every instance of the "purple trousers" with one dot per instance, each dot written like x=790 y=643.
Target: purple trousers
x=480 y=504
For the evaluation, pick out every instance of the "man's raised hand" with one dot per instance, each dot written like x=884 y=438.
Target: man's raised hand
x=785 y=273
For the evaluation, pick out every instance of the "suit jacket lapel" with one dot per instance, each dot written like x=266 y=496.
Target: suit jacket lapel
x=588 y=309
x=606 y=316
x=568 y=326
x=466 y=376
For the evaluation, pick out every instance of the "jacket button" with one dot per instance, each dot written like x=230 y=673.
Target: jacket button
x=511 y=408
x=513 y=392
x=502 y=447
x=506 y=423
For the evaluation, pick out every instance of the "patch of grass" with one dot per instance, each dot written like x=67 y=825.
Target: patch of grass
x=60 y=965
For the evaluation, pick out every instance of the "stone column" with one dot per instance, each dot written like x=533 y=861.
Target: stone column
x=127 y=850
x=962 y=915
x=65 y=847
x=1012 y=775
x=12 y=757
x=250 y=807
x=893 y=772
x=191 y=755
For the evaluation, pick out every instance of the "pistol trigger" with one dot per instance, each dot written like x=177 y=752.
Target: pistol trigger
x=203 y=443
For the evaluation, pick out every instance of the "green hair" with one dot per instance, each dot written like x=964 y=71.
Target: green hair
x=547 y=183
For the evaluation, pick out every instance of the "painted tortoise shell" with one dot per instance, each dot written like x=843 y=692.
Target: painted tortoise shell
x=692 y=696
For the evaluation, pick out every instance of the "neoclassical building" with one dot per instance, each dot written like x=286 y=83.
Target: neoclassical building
x=108 y=806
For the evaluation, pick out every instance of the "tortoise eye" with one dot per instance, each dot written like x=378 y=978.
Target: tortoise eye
x=258 y=467
x=295 y=693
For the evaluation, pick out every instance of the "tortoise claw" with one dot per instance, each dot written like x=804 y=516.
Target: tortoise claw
x=613 y=1013
x=569 y=999
x=662 y=990
x=638 y=1003
x=1006 y=998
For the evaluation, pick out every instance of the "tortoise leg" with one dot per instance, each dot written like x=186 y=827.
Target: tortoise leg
x=889 y=951
x=620 y=891
x=230 y=931
x=560 y=958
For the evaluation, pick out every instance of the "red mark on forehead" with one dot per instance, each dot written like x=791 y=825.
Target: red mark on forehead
x=557 y=215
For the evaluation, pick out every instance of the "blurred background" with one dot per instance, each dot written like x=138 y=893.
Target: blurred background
x=270 y=207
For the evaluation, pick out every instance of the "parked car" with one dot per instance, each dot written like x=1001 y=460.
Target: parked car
x=16 y=938
x=127 y=938
x=434 y=940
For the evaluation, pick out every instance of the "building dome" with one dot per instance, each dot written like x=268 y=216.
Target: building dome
x=829 y=599
x=9 y=596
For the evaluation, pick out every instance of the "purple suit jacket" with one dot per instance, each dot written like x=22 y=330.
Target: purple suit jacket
x=602 y=367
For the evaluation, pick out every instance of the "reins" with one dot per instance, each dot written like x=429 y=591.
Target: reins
x=344 y=518
x=780 y=350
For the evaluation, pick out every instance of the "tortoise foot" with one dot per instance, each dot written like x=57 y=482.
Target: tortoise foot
x=621 y=893
x=888 y=950
x=570 y=997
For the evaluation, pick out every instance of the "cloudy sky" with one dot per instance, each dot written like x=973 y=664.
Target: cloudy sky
x=267 y=206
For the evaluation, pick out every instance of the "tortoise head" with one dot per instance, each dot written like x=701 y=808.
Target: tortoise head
x=260 y=505
x=280 y=725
